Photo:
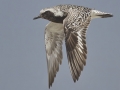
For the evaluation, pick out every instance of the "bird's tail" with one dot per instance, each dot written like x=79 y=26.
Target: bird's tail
x=99 y=14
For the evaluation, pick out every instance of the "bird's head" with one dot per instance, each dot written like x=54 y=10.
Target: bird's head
x=49 y=12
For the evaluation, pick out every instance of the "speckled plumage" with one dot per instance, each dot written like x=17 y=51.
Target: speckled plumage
x=69 y=22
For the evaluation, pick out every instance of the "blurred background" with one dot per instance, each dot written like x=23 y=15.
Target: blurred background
x=23 y=63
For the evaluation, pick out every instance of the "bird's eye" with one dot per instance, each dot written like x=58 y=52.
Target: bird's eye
x=47 y=12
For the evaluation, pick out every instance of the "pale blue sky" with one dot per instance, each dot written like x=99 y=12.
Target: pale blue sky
x=22 y=52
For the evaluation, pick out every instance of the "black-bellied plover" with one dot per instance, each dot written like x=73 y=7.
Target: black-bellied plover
x=68 y=22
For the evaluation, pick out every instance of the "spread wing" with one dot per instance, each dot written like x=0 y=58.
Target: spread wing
x=75 y=26
x=54 y=35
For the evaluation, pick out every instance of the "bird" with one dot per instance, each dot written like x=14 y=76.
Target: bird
x=67 y=23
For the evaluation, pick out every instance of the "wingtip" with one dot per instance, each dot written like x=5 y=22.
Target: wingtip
x=50 y=85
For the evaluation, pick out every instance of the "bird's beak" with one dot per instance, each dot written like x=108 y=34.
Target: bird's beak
x=37 y=17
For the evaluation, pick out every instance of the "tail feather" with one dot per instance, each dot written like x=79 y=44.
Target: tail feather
x=105 y=15
x=99 y=14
